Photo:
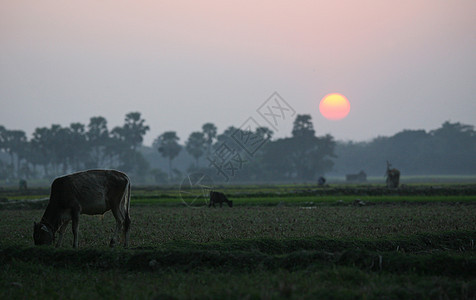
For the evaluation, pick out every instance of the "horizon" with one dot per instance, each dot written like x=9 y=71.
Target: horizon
x=182 y=139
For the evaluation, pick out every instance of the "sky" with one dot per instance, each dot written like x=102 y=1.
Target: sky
x=401 y=64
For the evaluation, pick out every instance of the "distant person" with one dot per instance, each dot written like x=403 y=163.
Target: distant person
x=393 y=176
x=321 y=181
x=22 y=185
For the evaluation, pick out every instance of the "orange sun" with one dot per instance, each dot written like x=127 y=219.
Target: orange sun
x=334 y=106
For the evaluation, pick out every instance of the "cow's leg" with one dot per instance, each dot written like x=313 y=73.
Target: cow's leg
x=116 y=233
x=118 y=215
x=75 y=219
x=127 y=225
x=61 y=233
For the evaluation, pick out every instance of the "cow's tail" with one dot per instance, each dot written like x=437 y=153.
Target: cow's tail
x=125 y=210
x=127 y=196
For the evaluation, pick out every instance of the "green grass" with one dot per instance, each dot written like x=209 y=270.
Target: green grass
x=21 y=280
x=308 y=200
x=432 y=266
x=283 y=190
x=269 y=245
x=152 y=226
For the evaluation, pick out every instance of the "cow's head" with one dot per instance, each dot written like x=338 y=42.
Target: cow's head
x=230 y=203
x=42 y=234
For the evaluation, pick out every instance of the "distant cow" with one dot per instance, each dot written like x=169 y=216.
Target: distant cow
x=217 y=197
x=90 y=192
x=359 y=177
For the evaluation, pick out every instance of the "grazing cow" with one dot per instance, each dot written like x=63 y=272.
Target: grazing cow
x=90 y=192
x=217 y=197
x=393 y=177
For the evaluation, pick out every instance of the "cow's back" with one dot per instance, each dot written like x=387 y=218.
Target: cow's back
x=92 y=190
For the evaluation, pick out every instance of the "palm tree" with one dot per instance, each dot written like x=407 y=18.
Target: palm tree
x=169 y=147
x=14 y=143
x=98 y=138
x=134 y=129
x=196 y=145
x=210 y=134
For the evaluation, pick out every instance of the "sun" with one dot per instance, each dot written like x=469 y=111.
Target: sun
x=334 y=106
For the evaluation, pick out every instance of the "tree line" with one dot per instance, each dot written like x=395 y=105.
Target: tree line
x=236 y=154
x=448 y=150
x=244 y=155
x=56 y=150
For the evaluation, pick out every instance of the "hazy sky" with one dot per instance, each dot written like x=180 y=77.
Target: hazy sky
x=401 y=64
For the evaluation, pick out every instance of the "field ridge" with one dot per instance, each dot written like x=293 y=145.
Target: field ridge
x=448 y=254
x=454 y=240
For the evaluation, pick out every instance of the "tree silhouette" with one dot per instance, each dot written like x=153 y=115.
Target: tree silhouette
x=302 y=126
x=449 y=149
x=121 y=148
x=98 y=138
x=264 y=132
x=63 y=146
x=210 y=133
x=14 y=143
x=80 y=147
x=196 y=145
x=169 y=147
x=3 y=132
x=304 y=146
x=57 y=141
x=134 y=129
x=453 y=147
x=117 y=148
x=40 y=150
x=303 y=156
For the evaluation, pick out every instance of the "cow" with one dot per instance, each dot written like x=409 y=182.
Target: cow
x=359 y=177
x=217 y=197
x=393 y=177
x=91 y=192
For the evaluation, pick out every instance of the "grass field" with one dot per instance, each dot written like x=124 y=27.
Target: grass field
x=276 y=242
